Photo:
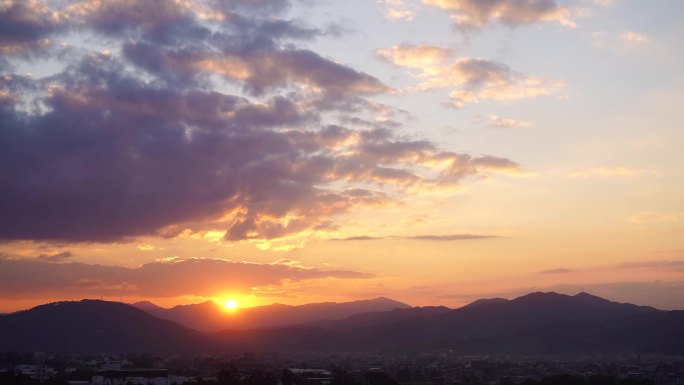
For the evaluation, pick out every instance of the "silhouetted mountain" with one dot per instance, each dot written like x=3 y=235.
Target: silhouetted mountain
x=148 y=307
x=94 y=326
x=210 y=316
x=487 y=300
x=538 y=323
x=364 y=320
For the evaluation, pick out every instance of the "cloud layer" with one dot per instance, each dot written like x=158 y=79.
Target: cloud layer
x=200 y=115
x=26 y=279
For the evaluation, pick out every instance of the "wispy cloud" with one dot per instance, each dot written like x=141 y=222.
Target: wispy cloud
x=634 y=37
x=397 y=9
x=624 y=42
x=426 y=237
x=470 y=79
x=500 y=122
x=668 y=265
x=419 y=56
x=56 y=257
x=609 y=172
x=472 y=14
x=560 y=270
x=652 y=216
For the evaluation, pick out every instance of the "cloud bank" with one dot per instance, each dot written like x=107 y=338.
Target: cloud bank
x=27 y=279
x=199 y=115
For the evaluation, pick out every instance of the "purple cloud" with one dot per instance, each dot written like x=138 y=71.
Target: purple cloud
x=145 y=141
x=200 y=277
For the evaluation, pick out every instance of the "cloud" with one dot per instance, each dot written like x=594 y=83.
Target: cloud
x=635 y=38
x=57 y=257
x=608 y=172
x=652 y=216
x=26 y=26
x=627 y=42
x=471 y=79
x=451 y=237
x=189 y=156
x=472 y=14
x=603 y=3
x=146 y=139
x=560 y=270
x=23 y=279
x=420 y=55
x=396 y=10
x=427 y=237
x=666 y=265
x=499 y=122
x=281 y=68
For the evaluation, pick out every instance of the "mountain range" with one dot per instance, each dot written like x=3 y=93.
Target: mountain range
x=537 y=323
x=210 y=316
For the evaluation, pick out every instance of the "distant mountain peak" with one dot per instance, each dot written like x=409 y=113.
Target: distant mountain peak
x=146 y=305
x=388 y=300
x=483 y=301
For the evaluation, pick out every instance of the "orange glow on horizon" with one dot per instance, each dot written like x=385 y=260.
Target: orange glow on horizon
x=231 y=304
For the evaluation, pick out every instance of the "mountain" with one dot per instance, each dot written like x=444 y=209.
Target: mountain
x=89 y=326
x=364 y=320
x=148 y=307
x=537 y=323
x=209 y=316
x=487 y=300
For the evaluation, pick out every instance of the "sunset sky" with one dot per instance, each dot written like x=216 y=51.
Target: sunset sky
x=295 y=151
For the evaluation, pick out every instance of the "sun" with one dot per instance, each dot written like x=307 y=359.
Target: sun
x=231 y=304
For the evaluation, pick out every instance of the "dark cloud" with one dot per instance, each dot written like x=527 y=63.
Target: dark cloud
x=26 y=26
x=560 y=270
x=23 y=279
x=160 y=21
x=146 y=141
x=258 y=70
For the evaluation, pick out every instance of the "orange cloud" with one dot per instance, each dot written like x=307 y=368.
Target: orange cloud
x=470 y=14
x=25 y=279
x=421 y=55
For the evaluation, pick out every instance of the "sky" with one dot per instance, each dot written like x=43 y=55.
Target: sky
x=295 y=151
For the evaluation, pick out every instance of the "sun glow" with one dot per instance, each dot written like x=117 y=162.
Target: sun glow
x=231 y=304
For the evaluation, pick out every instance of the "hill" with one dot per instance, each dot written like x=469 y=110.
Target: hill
x=538 y=323
x=209 y=316
x=94 y=326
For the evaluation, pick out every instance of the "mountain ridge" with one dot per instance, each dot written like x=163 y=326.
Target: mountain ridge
x=538 y=323
x=209 y=316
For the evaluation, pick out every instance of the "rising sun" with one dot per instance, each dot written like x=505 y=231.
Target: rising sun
x=231 y=304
